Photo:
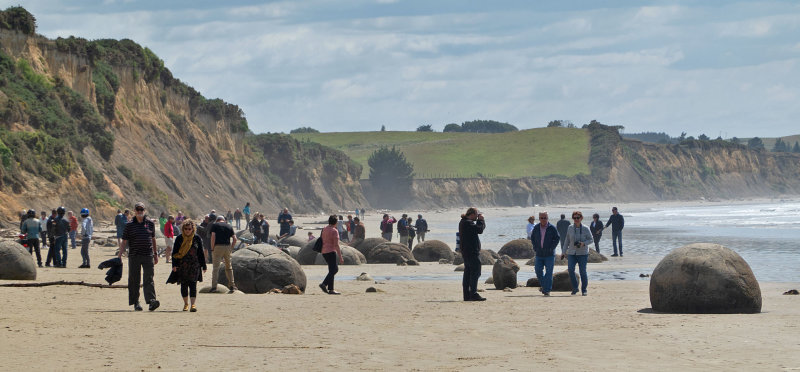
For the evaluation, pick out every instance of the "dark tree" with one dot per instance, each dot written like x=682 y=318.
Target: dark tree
x=425 y=128
x=383 y=128
x=558 y=123
x=796 y=148
x=703 y=137
x=303 y=130
x=755 y=143
x=391 y=176
x=735 y=140
x=17 y=18
x=487 y=126
x=780 y=146
x=452 y=127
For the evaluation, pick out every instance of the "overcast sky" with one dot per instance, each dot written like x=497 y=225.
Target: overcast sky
x=715 y=67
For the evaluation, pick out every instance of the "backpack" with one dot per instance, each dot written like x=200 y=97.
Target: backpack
x=318 y=245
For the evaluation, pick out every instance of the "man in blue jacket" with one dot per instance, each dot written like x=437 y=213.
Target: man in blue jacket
x=617 y=223
x=545 y=239
x=470 y=226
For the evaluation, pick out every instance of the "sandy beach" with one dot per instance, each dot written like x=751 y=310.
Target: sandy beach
x=411 y=325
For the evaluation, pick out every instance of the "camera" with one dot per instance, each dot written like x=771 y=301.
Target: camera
x=577 y=244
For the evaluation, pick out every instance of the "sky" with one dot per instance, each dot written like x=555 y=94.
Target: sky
x=720 y=68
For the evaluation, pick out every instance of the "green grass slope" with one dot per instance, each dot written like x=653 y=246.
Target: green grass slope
x=537 y=152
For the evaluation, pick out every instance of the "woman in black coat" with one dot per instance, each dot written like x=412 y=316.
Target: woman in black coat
x=187 y=261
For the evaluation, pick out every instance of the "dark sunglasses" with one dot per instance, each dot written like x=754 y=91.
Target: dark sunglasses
x=577 y=217
x=139 y=209
x=542 y=218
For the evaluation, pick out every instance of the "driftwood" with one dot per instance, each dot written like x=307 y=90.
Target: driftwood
x=63 y=282
x=263 y=347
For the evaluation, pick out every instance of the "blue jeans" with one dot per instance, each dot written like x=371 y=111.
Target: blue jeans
x=60 y=251
x=617 y=235
x=85 y=241
x=72 y=234
x=581 y=261
x=546 y=280
x=238 y=224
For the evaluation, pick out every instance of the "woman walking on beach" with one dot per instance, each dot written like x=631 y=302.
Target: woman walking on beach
x=596 y=227
x=531 y=224
x=169 y=237
x=187 y=261
x=576 y=248
x=331 y=253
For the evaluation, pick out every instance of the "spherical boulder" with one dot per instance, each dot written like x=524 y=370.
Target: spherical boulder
x=350 y=255
x=260 y=268
x=294 y=240
x=355 y=242
x=389 y=252
x=487 y=257
x=561 y=282
x=504 y=273
x=366 y=245
x=432 y=251
x=704 y=278
x=16 y=263
x=518 y=248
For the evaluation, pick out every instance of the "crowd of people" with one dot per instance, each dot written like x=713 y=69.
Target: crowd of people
x=190 y=246
x=573 y=239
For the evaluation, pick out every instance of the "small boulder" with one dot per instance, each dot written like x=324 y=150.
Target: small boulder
x=291 y=289
x=261 y=267
x=459 y=268
x=489 y=280
x=374 y=290
x=220 y=289
x=531 y=262
x=533 y=282
x=432 y=251
x=504 y=273
x=791 y=292
x=704 y=278
x=518 y=249
x=16 y=263
x=389 y=252
x=445 y=262
x=364 y=277
x=507 y=289
x=561 y=282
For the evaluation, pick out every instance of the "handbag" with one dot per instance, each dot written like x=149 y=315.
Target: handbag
x=318 y=245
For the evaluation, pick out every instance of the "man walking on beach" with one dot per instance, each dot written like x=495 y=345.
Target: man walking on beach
x=545 y=239
x=617 y=223
x=562 y=225
x=402 y=229
x=73 y=228
x=422 y=228
x=140 y=239
x=359 y=232
x=386 y=227
x=222 y=241
x=50 y=229
x=32 y=227
x=470 y=226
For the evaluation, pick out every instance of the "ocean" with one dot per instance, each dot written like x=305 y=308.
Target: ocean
x=766 y=235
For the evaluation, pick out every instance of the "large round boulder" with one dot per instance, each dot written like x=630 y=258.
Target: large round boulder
x=487 y=257
x=355 y=242
x=561 y=282
x=389 y=252
x=307 y=255
x=433 y=251
x=366 y=245
x=294 y=240
x=518 y=248
x=504 y=272
x=16 y=263
x=260 y=268
x=704 y=278
x=350 y=255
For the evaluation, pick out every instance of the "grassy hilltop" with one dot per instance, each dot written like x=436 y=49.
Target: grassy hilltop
x=527 y=153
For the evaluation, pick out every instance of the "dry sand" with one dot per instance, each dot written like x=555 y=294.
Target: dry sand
x=413 y=325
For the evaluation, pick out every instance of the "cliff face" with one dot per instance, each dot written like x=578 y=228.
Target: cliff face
x=631 y=171
x=171 y=147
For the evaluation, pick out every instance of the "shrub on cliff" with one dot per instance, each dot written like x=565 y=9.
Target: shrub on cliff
x=17 y=18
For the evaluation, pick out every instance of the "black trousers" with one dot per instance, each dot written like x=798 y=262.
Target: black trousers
x=140 y=270
x=189 y=289
x=51 y=250
x=333 y=268
x=33 y=245
x=472 y=271
x=597 y=242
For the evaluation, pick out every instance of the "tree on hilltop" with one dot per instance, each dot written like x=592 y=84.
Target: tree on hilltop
x=780 y=146
x=703 y=137
x=755 y=143
x=17 y=18
x=452 y=127
x=391 y=175
x=425 y=128
x=796 y=148
x=303 y=130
